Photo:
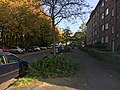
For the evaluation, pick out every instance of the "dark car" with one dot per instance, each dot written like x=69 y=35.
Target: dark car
x=29 y=49
x=11 y=66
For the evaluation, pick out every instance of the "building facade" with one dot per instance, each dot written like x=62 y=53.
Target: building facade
x=103 y=25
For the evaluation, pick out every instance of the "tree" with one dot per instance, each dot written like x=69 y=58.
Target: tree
x=67 y=35
x=24 y=24
x=58 y=10
x=80 y=36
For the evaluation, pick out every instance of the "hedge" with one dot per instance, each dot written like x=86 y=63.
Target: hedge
x=109 y=58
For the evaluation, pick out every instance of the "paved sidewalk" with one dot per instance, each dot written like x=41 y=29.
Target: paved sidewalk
x=98 y=75
x=91 y=75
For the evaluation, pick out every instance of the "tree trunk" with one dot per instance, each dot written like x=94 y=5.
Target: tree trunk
x=53 y=30
x=53 y=34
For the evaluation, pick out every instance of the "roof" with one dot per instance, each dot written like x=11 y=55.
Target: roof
x=93 y=12
x=6 y=53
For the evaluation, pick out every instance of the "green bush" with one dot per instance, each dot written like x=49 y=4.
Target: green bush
x=51 y=67
x=48 y=67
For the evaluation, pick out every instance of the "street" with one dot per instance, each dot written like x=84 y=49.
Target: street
x=91 y=75
x=31 y=57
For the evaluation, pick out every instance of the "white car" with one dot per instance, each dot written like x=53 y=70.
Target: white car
x=36 y=48
x=43 y=48
x=16 y=49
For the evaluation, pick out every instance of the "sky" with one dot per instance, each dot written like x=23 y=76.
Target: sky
x=74 y=27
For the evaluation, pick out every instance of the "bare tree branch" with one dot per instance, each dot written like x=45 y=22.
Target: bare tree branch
x=58 y=10
x=58 y=21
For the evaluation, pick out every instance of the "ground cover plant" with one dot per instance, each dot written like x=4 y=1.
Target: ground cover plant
x=50 y=66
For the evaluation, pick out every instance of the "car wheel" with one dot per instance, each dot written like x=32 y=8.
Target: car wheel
x=23 y=71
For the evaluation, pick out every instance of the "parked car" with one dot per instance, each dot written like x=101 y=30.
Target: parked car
x=4 y=49
x=49 y=47
x=43 y=48
x=36 y=48
x=16 y=49
x=23 y=48
x=11 y=66
x=56 y=49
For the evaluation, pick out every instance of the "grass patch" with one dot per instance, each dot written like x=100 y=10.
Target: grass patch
x=24 y=81
x=50 y=66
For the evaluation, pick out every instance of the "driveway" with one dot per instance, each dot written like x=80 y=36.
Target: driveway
x=91 y=75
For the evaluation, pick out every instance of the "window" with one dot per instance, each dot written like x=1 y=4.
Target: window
x=113 y=12
x=95 y=32
x=95 y=40
x=102 y=3
x=102 y=27
x=117 y=16
x=102 y=15
x=107 y=11
x=2 y=61
x=106 y=26
x=117 y=35
x=112 y=29
x=12 y=58
x=102 y=40
x=106 y=39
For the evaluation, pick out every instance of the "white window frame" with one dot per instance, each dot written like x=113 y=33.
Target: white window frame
x=106 y=25
x=107 y=12
x=112 y=28
x=103 y=3
x=117 y=35
x=113 y=11
x=103 y=27
x=106 y=39
x=103 y=15
x=102 y=40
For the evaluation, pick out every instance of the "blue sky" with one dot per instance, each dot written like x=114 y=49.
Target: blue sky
x=75 y=26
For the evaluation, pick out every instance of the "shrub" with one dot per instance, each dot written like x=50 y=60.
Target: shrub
x=52 y=66
x=107 y=57
x=48 y=67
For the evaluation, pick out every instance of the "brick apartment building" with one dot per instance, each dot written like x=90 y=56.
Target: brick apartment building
x=103 y=25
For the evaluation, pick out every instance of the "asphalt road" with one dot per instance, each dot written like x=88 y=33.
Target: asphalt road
x=31 y=57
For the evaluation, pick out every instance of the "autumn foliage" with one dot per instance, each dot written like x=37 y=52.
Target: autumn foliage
x=24 y=24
